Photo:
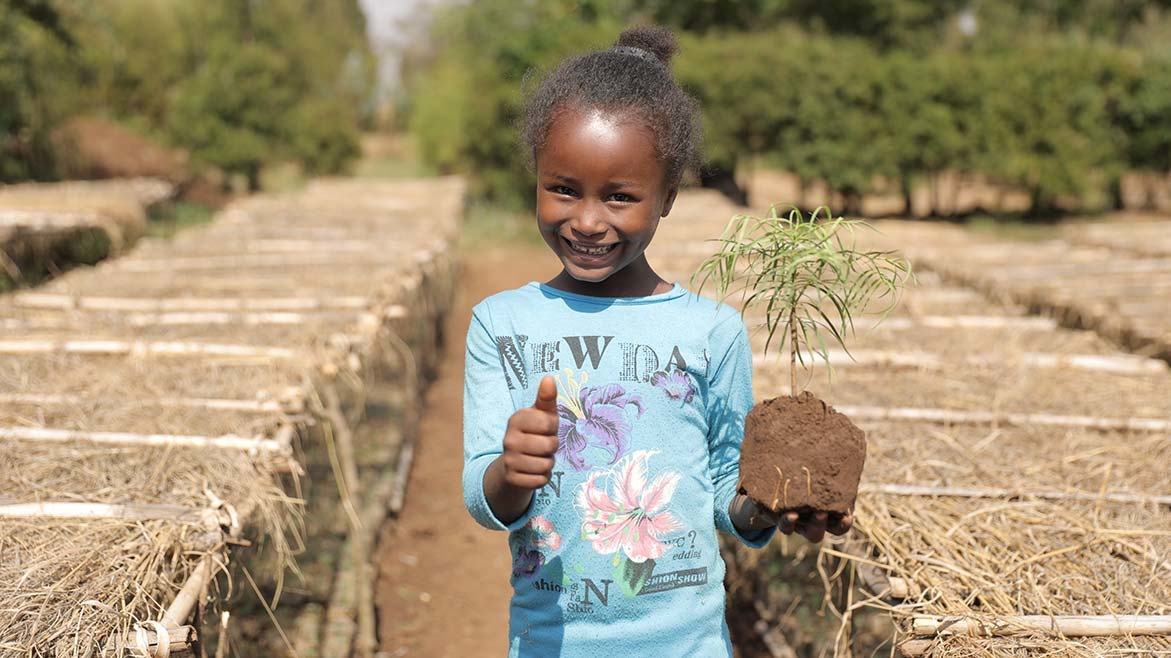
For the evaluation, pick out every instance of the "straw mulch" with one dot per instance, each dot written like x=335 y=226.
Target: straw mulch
x=83 y=587
x=1010 y=544
x=1112 y=278
x=47 y=227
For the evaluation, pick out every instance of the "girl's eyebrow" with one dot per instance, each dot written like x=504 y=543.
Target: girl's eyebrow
x=616 y=184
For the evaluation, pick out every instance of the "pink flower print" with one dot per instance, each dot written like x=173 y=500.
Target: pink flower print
x=676 y=384
x=630 y=518
x=594 y=416
x=544 y=534
x=538 y=533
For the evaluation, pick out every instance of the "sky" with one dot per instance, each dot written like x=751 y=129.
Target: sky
x=391 y=24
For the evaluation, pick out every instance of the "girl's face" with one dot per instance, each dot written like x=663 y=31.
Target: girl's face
x=601 y=190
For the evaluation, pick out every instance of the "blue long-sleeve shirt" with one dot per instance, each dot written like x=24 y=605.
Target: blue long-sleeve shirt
x=617 y=555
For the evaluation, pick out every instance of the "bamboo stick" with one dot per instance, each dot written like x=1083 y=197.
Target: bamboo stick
x=49 y=219
x=245 y=319
x=180 y=643
x=140 y=348
x=1029 y=323
x=402 y=473
x=1124 y=364
x=253 y=444
x=291 y=405
x=306 y=635
x=1064 y=625
x=259 y=261
x=189 y=595
x=1004 y=418
x=361 y=537
x=915 y=648
x=287 y=246
x=340 y=615
x=979 y=492
x=127 y=511
x=971 y=322
x=163 y=304
x=1103 y=267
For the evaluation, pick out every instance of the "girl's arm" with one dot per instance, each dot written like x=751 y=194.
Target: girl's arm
x=729 y=400
x=500 y=475
x=530 y=444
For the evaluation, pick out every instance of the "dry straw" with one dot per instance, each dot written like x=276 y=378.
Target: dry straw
x=978 y=514
x=97 y=586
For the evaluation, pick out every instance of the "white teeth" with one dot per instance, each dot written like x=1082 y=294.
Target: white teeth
x=592 y=251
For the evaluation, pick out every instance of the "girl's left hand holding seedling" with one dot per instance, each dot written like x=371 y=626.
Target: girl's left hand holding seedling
x=812 y=524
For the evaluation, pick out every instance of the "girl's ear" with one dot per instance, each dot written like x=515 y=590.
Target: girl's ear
x=670 y=201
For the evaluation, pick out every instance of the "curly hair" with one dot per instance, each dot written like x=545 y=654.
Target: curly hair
x=629 y=80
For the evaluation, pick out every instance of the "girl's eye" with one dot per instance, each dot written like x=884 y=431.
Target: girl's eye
x=621 y=198
x=562 y=190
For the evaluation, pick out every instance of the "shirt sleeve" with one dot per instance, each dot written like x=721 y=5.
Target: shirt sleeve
x=487 y=407
x=730 y=399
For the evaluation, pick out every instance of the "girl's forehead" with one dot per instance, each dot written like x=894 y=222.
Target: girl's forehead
x=595 y=128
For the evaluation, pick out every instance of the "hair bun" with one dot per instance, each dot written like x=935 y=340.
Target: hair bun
x=655 y=39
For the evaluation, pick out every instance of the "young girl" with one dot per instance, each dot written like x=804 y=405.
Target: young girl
x=604 y=409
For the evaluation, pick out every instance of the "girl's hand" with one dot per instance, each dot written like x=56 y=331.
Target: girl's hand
x=530 y=442
x=813 y=525
x=530 y=448
x=749 y=516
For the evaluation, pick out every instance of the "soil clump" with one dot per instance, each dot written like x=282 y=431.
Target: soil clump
x=801 y=454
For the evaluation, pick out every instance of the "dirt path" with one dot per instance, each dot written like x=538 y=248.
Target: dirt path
x=443 y=580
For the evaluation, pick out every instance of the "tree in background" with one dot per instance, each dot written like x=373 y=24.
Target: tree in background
x=231 y=113
x=1141 y=108
x=34 y=44
x=466 y=97
x=892 y=94
x=241 y=83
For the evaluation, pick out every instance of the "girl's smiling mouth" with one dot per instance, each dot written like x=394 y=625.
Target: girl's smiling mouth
x=593 y=251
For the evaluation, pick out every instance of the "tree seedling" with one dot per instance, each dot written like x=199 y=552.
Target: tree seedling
x=805 y=276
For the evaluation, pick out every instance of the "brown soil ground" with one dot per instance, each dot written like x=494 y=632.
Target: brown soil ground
x=442 y=585
x=799 y=453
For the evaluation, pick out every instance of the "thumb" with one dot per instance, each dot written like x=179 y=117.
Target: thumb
x=546 y=395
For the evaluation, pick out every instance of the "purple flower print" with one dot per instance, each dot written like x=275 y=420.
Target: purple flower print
x=538 y=533
x=596 y=417
x=676 y=384
x=527 y=563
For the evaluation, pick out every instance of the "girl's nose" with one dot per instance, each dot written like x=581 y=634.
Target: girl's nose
x=590 y=221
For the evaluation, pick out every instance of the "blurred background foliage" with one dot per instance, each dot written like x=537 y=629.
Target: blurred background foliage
x=1055 y=98
x=237 y=84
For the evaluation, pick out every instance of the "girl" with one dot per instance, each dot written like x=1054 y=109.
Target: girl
x=614 y=481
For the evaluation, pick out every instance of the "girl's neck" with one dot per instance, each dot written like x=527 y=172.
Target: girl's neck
x=637 y=279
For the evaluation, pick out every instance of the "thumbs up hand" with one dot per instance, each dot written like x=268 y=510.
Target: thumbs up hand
x=530 y=441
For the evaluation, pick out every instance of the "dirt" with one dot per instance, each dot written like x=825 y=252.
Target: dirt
x=442 y=585
x=799 y=454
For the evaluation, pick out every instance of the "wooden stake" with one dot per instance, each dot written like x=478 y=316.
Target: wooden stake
x=1067 y=626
